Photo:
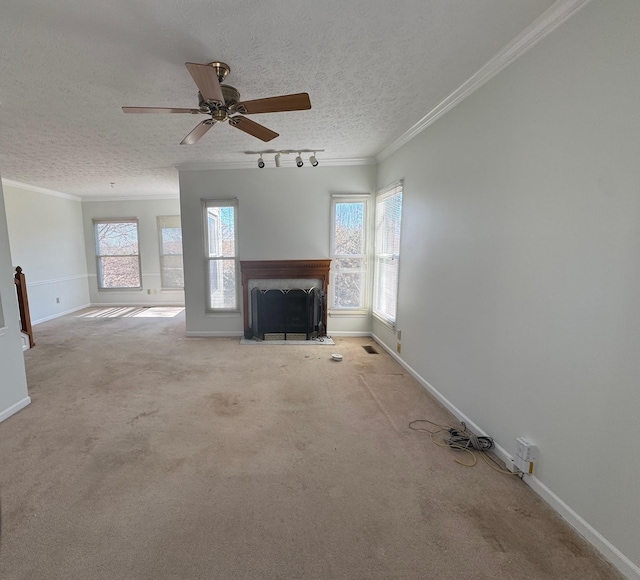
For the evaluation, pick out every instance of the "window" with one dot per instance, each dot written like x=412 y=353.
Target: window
x=221 y=254
x=170 y=233
x=387 y=252
x=117 y=253
x=349 y=252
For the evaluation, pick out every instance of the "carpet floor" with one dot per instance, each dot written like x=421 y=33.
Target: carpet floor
x=148 y=455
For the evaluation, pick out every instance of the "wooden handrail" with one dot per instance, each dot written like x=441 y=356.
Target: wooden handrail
x=23 y=305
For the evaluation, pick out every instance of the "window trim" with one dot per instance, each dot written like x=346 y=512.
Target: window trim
x=364 y=198
x=217 y=202
x=161 y=255
x=99 y=281
x=381 y=195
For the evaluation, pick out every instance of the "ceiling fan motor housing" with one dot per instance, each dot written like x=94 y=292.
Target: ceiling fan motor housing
x=219 y=112
x=231 y=96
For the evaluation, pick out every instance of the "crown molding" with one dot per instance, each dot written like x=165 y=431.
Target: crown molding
x=157 y=197
x=42 y=190
x=548 y=21
x=252 y=164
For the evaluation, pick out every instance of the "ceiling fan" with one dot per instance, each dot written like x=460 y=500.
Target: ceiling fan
x=223 y=103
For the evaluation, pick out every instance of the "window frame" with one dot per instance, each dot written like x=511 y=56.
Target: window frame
x=99 y=278
x=161 y=220
x=207 y=203
x=364 y=310
x=381 y=196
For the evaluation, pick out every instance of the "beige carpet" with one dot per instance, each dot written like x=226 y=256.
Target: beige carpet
x=147 y=455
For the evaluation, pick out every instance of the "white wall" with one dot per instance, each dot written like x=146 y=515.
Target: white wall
x=520 y=269
x=13 y=381
x=147 y=212
x=48 y=243
x=283 y=214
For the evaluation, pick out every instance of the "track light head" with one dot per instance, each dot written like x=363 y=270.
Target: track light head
x=299 y=162
x=260 y=162
x=313 y=160
x=277 y=159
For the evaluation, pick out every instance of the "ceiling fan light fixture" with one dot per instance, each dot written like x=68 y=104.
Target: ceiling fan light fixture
x=260 y=162
x=277 y=159
x=299 y=161
x=313 y=160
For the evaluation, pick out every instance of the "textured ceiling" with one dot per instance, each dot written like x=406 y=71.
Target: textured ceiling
x=373 y=68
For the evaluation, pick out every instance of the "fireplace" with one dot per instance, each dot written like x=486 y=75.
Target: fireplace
x=288 y=314
x=285 y=298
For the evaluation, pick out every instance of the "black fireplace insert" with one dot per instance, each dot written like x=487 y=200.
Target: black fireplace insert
x=285 y=314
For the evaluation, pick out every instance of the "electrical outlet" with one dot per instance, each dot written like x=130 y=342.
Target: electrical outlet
x=398 y=347
x=148 y=291
x=57 y=300
x=526 y=450
x=526 y=455
x=510 y=464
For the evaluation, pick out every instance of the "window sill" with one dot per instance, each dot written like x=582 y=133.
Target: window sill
x=120 y=290
x=348 y=313
x=223 y=313
x=390 y=325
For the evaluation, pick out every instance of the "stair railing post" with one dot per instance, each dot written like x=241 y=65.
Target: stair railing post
x=23 y=305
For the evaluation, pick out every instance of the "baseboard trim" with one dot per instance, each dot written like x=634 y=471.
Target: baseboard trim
x=587 y=531
x=500 y=451
x=59 y=314
x=14 y=408
x=133 y=304
x=213 y=333
x=350 y=333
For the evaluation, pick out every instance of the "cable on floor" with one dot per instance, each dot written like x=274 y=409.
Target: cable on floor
x=461 y=439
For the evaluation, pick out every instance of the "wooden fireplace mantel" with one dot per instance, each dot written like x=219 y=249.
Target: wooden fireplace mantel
x=281 y=269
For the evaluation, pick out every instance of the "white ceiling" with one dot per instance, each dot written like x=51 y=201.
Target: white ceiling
x=373 y=69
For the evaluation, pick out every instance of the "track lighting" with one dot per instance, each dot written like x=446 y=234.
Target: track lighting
x=278 y=153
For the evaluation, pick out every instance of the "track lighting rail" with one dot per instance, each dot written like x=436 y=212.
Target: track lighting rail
x=279 y=152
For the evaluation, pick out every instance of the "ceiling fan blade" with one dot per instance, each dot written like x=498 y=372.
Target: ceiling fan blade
x=206 y=79
x=253 y=128
x=199 y=130
x=296 y=102
x=159 y=110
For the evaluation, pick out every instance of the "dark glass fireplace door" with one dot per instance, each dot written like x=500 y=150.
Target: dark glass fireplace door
x=285 y=312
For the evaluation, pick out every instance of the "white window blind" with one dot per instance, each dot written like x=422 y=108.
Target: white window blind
x=170 y=241
x=387 y=252
x=221 y=259
x=349 y=253
x=117 y=253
